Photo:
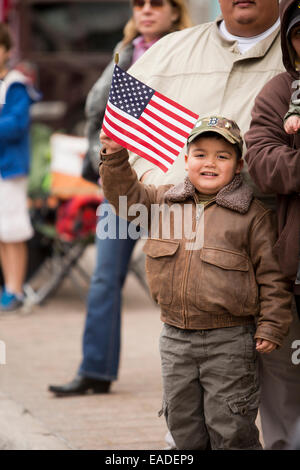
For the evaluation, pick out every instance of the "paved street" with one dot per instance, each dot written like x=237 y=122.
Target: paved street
x=44 y=346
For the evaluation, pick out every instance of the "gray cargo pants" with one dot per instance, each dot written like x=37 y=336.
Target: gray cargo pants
x=211 y=390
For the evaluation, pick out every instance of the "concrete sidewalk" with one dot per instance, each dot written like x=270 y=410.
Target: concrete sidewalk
x=44 y=346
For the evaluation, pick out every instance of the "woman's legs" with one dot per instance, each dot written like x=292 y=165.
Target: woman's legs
x=101 y=338
x=15 y=230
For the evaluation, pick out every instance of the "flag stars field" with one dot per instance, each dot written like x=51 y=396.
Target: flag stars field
x=146 y=122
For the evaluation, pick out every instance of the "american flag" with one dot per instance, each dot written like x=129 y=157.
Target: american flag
x=145 y=121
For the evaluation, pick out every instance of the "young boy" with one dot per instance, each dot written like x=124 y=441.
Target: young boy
x=17 y=94
x=274 y=165
x=214 y=299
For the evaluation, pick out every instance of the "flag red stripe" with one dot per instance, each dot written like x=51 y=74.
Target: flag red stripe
x=172 y=115
x=176 y=105
x=139 y=140
x=160 y=131
x=143 y=131
x=166 y=124
x=135 y=150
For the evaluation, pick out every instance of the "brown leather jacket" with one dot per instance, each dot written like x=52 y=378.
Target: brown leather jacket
x=233 y=278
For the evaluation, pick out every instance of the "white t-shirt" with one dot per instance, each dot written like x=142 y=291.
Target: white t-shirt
x=244 y=44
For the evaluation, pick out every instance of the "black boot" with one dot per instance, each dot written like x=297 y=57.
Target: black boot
x=81 y=385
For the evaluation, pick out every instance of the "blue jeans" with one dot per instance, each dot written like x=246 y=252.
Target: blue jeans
x=101 y=338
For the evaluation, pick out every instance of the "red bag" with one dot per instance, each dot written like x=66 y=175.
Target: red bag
x=76 y=218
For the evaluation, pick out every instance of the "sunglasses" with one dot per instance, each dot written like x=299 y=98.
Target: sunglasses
x=154 y=3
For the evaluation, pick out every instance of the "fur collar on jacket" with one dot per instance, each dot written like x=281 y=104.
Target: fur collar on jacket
x=236 y=196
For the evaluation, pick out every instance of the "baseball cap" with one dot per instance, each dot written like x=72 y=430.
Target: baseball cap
x=294 y=17
x=220 y=125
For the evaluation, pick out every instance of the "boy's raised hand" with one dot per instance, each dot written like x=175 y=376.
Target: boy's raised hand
x=265 y=346
x=292 y=124
x=109 y=145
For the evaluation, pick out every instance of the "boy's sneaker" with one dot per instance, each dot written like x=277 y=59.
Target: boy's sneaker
x=10 y=302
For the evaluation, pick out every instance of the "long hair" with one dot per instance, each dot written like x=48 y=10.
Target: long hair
x=184 y=21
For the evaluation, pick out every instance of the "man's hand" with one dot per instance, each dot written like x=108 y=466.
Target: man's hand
x=292 y=124
x=265 y=346
x=109 y=145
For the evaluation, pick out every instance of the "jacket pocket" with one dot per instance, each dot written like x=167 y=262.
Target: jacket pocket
x=160 y=265
x=226 y=282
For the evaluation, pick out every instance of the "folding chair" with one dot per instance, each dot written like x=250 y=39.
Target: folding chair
x=65 y=224
x=63 y=216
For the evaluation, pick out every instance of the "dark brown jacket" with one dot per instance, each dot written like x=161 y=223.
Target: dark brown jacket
x=229 y=281
x=273 y=156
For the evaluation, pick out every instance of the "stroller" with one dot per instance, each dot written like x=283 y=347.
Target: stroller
x=63 y=210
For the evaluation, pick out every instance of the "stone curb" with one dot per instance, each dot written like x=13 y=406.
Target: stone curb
x=19 y=430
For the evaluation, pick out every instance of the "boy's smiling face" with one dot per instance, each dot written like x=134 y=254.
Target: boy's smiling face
x=212 y=163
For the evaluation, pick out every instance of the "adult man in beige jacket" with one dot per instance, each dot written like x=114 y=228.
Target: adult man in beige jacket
x=219 y=68
x=209 y=73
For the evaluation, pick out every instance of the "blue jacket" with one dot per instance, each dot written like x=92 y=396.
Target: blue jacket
x=14 y=128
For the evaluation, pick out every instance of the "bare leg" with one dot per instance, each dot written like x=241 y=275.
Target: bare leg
x=14 y=264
